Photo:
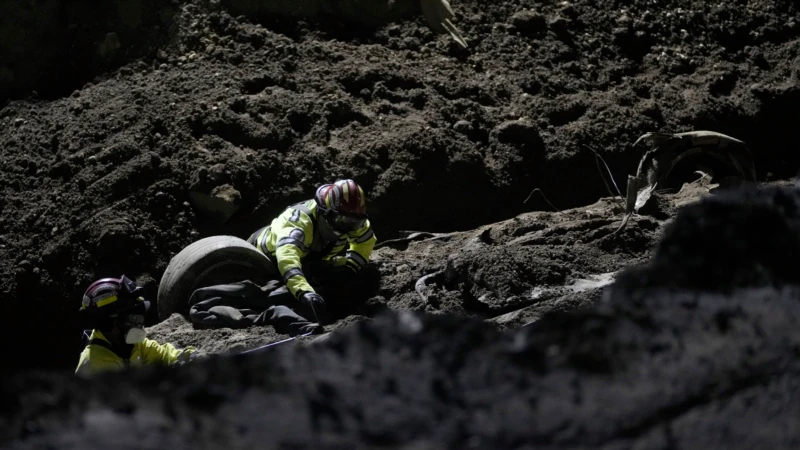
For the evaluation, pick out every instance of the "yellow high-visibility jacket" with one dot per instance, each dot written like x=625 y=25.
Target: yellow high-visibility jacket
x=98 y=357
x=297 y=232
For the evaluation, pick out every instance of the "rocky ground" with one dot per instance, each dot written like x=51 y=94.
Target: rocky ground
x=666 y=360
x=144 y=112
x=508 y=273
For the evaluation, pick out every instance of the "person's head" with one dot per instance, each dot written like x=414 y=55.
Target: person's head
x=113 y=305
x=343 y=205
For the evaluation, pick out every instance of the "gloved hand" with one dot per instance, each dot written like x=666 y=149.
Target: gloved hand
x=344 y=269
x=186 y=356
x=315 y=307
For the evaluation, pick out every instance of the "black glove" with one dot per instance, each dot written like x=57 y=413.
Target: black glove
x=346 y=270
x=314 y=306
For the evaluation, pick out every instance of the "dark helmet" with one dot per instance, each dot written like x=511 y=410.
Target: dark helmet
x=343 y=204
x=112 y=297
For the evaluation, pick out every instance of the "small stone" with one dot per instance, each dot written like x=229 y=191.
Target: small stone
x=559 y=25
x=227 y=193
x=528 y=21
x=19 y=122
x=218 y=173
x=462 y=126
x=520 y=133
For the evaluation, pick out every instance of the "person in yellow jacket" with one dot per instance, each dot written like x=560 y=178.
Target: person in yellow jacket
x=118 y=340
x=332 y=230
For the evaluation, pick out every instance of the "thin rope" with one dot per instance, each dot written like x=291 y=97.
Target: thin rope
x=276 y=343
x=596 y=157
x=543 y=196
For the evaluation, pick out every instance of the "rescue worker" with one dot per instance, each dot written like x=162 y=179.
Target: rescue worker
x=330 y=235
x=116 y=312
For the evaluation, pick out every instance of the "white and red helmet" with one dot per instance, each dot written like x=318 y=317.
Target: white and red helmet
x=344 y=197
x=110 y=297
x=343 y=205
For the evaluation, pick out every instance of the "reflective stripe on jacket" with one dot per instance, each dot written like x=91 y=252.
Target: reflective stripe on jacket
x=96 y=358
x=296 y=234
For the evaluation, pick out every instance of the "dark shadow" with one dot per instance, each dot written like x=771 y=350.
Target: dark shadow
x=55 y=47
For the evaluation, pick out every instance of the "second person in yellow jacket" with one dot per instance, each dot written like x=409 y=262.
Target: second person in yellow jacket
x=332 y=229
x=118 y=341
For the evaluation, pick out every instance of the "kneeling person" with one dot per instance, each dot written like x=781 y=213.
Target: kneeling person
x=330 y=234
x=118 y=340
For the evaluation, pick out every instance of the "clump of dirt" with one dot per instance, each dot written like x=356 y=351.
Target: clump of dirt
x=97 y=183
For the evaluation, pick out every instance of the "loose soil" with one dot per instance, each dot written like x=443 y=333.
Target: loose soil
x=513 y=339
x=660 y=364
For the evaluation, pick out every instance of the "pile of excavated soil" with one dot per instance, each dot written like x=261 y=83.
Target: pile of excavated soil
x=662 y=363
x=512 y=273
x=97 y=182
x=508 y=273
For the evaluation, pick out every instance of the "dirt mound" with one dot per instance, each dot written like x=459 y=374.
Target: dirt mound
x=760 y=251
x=97 y=183
x=509 y=273
x=648 y=368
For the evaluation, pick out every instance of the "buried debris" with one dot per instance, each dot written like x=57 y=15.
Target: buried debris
x=667 y=150
x=424 y=282
x=407 y=237
x=438 y=13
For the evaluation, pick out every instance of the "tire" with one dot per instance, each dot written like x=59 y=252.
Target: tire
x=208 y=262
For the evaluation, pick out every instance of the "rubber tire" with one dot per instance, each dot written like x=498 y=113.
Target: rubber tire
x=208 y=262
